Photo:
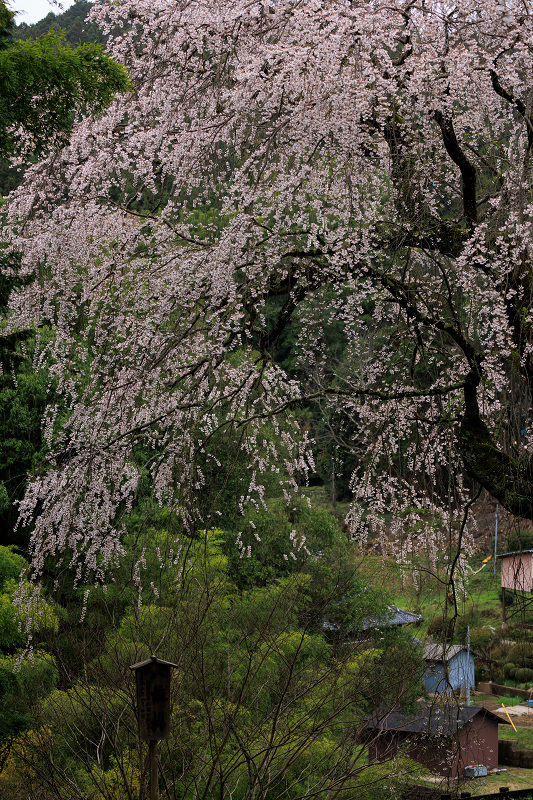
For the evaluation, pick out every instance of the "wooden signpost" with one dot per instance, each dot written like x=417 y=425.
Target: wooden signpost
x=153 y=709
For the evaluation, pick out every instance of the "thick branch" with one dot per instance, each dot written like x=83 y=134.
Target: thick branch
x=424 y=229
x=508 y=480
x=514 y=101
x=468 y=171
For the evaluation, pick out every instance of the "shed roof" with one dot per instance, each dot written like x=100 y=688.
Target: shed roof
x=439 y=652
x=514 y=553
x=431 y=719
x=152 y=660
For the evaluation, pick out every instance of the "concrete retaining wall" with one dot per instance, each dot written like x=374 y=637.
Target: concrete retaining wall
x=509 y=755
x=503 y=691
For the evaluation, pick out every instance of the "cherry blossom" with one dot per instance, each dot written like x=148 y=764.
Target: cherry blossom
x=366 y=163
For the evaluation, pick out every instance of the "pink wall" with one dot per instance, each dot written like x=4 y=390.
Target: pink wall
x=479 y=744
x=517 y=572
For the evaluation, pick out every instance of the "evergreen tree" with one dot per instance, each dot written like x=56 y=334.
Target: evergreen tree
x=44 y=82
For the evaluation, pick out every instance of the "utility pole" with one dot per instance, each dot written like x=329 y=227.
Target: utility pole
x=495 y=541
x=468 y=665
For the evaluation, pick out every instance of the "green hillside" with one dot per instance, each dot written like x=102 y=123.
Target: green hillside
x=71 y=22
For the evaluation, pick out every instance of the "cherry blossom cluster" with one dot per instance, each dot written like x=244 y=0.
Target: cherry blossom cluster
x=365 y=163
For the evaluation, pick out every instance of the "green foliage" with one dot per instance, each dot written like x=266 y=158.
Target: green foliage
x=11 y=636
x=7 y=19
x=519 y=540
x=14 y=716
x=10 y=279
x=455 y=629
x=10 y=177
x=523 y=674
x=35 y=676
x=441 y=628
x=72 y=26
x=23 y=394
x=12 y=633
x=521 y=654
x=225 y=468
x=509 y=669
x=266 y=551
x=44 y=81
x=11 y=565
x=76 y=717
x=74 y=645
x=259 y=694
x=20 y=690
x=482 y=637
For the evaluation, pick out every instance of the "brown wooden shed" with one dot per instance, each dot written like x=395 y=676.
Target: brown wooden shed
x=445 y=739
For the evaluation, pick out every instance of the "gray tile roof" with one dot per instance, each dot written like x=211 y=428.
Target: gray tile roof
x=393 y=616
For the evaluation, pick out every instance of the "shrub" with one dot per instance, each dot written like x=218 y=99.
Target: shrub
x=441 y=628
x=470 y=620
x=482 y=637
x=521 y=654
x=523 y=675
x=11 y=565
x=509 y=669
x=497 y=674
x=455 y=628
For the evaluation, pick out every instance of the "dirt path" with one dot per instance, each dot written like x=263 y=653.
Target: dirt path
x=492 y=702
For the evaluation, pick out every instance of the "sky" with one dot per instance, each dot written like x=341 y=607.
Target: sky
x=36 y=9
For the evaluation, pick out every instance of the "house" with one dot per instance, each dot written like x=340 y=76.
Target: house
x=517 y=570
x=444 y=739
x=393 y=617
x=448 y=668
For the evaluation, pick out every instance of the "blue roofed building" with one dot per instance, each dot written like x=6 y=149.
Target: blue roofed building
x=448 y=668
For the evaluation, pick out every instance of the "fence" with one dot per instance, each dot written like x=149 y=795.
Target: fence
x=503 y=793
